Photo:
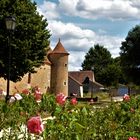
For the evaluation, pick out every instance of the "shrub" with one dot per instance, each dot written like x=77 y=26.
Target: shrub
x=117 y=121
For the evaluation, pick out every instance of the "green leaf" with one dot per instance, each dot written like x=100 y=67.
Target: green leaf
x=84 y=111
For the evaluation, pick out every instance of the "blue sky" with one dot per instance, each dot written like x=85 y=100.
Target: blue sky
x=80 y=24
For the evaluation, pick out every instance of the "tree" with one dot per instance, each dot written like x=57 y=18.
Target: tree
x=96 y=58
x=100 y=61
x=121 y=78
x=28 y=42
x=130 y=55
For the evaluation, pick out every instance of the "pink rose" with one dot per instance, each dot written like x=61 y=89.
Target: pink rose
x=73 y=101
x=132 y=138
x=126 y=97
x=25 y=91
x=61 y=98
x=38 y=95
x=35 y=125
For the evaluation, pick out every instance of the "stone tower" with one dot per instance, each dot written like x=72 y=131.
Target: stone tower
x=59 y=70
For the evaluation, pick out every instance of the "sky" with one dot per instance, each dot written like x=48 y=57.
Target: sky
x=80 y=24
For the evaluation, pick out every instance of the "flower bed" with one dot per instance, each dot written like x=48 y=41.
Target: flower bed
x=27 y=119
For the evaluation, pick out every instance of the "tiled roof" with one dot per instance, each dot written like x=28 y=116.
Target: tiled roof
x=96 y=83
x=81 y=75
x=75 y=80
x=59 y=49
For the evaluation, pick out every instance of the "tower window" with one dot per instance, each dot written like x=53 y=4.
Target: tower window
x=65 y=65
x=65 y=83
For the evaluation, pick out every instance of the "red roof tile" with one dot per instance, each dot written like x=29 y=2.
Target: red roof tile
x=81 y=75
x=59 y=48
x=75 y=80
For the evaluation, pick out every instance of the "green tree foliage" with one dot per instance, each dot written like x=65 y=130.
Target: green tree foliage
x=28 y=42
x=130 y=55
x=96 y=57
x=100 y=61
x=121 y=77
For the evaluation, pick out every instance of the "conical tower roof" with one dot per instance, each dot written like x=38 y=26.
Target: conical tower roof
x=59 y=49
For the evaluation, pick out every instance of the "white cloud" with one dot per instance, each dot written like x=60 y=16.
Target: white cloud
x=111 y=9
x=135 y=3
x=77 y=41
x=68 y=6
x=73 y=60
x=49 y=10
x=77 y=44
x=92 y=9
x=68 y=30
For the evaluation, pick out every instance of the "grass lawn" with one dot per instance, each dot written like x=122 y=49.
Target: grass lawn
x=102 y=96
x=103 y=100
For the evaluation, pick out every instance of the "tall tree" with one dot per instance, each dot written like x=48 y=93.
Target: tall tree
x=100 y=61
x=96 y=58
x=130 y=55
x=28 y=42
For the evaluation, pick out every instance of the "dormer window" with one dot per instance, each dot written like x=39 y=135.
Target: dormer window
x=86 y=81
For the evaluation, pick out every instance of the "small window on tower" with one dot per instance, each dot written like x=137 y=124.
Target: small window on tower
x=65 y=65
x=65 y=83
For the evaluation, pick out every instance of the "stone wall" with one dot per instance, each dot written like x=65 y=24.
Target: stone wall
x=41 y=79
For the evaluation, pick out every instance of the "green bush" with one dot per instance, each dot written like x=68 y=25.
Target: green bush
x=117 y=121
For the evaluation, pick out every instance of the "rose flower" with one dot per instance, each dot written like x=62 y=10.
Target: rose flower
x=61 y=99
x=35 y=125
x=73 y=101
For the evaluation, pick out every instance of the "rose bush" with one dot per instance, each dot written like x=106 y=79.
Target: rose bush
x=117 y=121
